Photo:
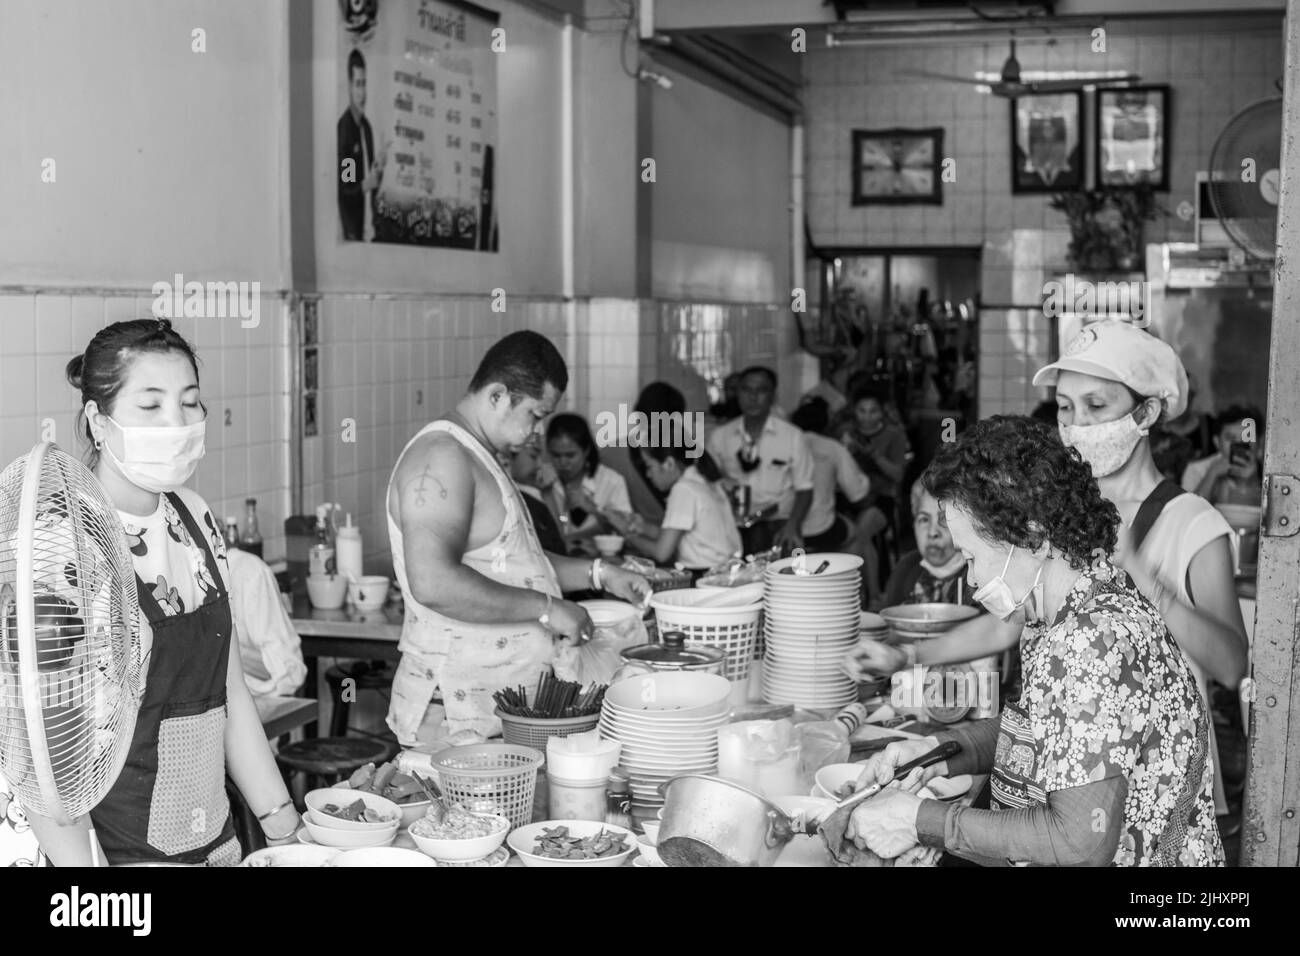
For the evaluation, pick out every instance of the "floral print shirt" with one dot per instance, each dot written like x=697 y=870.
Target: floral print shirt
x=1107 y=693
x=169 y=562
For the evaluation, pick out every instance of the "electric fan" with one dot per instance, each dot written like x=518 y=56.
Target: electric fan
x=72 y=661
x=1245 y=177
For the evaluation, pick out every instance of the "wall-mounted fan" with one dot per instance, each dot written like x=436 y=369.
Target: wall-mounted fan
x=1012 y=83
x=1245 y=177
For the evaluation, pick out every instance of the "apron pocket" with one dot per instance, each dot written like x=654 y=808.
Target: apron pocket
x=189 y=806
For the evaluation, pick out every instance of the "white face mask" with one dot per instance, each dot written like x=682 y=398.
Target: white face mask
x=996 y=595
x=1106 y=447
x=944 y=571
x=159 y=458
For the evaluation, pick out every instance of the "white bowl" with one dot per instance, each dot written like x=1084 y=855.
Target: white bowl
x=652 y=831
x=609 y=545
x=291 y=856
x=369 y=593
x=836 y=775
x=327 y=593
x=646 y=847
x=524 y=840
x=410 y=811
x=381 y=858
x=350 y=839
x=464 y=851
x=668 y=695
x=317 y=800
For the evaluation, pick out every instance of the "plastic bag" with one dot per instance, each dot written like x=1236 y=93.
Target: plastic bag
x=821 y=743
x=596 y=661
x=762 y=755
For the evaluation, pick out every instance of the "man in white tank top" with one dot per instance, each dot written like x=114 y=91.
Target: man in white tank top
x=484 y=604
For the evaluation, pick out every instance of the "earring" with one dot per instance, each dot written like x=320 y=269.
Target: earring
x=99 y=444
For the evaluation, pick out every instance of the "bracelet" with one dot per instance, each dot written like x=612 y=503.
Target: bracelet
x=266 y=816
x=545 y=619
x=277 y=839
x=597 y=581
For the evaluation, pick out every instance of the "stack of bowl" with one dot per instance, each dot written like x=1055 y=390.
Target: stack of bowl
x=328 y=830
x=667 y=724
x=814 y=614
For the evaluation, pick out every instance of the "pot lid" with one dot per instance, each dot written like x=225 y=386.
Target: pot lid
x=675 y=651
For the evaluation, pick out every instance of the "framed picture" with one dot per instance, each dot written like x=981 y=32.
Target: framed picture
x=897 y=166
x=1047 y=142
x=1132 y=137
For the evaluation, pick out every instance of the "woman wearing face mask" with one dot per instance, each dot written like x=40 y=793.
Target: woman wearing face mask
x=1112 y=385
x=139 y=388
x=1104 y=758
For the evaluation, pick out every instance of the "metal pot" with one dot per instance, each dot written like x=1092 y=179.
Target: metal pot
x=713 y=822
x=911 y=622
x=674 y=654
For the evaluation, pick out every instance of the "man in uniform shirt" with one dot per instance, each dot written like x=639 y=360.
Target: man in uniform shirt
x=772 y=459
x=356 y=142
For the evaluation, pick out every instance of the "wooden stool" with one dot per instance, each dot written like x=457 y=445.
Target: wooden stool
x=365 y=676
x=326 y=761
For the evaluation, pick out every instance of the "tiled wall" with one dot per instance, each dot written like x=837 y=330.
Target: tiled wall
x=243 y=372
x=1212 y=74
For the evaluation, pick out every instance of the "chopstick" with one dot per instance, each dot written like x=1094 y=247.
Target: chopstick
x=553 y=700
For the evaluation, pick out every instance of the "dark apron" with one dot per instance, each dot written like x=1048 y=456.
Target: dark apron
x=169 y=804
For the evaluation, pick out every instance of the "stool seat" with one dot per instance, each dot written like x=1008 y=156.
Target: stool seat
x=335 y=757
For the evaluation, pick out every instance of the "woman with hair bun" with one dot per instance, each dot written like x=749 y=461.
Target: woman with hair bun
x=145 y=422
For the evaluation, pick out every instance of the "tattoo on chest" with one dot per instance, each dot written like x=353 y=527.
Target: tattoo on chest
x=422 y=488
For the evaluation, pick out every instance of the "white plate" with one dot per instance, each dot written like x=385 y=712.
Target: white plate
x=840 y=563
x=689 y=695
x=306 y=839
x=313 y=856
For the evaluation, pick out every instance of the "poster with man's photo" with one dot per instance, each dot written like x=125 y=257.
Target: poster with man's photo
x=417 y=129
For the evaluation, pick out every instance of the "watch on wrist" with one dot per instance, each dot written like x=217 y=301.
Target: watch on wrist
x=545 y=619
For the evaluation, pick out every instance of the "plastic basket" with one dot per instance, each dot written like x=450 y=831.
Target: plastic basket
x=735 y=630
x=535 y=731
x=503 y=773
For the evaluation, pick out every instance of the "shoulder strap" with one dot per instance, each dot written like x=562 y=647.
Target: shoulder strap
x=1164 y=493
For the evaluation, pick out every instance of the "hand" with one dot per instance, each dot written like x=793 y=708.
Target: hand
x=920 y=856
x=1219 y=467
x=788 y=538
x=625 y=585
x=622 y=523
x=571 y=622
x=871 y=659
x=883 y=766
x=886 y=823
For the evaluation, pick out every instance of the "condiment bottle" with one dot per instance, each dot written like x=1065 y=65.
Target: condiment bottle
x=348 y=551
x=232 y=534
x=618 y=800
x=252 y=538
x=321 y=559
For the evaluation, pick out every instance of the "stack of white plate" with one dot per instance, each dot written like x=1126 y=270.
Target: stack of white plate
x=667 y=724
x=813 y=622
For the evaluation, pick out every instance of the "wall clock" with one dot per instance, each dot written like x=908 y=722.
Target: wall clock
x=897 y=166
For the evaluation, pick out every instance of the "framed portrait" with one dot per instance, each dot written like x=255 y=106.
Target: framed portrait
x=1132 y=137
x=1047 y=142
x=897 y=166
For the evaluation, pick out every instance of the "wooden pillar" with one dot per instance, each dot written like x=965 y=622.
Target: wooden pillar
x=1271 y=831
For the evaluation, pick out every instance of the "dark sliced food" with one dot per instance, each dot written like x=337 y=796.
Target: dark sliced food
x=556 y=843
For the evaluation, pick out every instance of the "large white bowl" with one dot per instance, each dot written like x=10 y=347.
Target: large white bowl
x=279 y=857
x=317 y=800
x=609 y=545
x=369 y=593
x=410 y=811
x=464 y=851
x=382 y=858
x=350 y=839
x=524 y=840
x=683 y=696
x=327 y=593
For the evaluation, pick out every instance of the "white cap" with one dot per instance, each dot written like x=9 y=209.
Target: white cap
x=1122 y=352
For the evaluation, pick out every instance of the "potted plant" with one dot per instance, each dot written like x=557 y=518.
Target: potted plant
x=1106 y=226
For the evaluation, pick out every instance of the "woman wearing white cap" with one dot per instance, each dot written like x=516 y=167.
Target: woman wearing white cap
x=1112 y=385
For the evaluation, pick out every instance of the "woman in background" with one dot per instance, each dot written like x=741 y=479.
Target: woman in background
x=584 y=488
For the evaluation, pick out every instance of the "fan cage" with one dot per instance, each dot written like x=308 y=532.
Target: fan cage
x=1254 y=134
x=71 y=654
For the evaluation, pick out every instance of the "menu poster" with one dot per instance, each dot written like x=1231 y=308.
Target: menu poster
x=418 y=131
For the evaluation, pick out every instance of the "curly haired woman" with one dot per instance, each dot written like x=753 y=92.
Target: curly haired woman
x=1104 y=759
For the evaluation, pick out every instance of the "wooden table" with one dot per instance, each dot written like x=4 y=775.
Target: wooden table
x=349 y=634
x=284 y=715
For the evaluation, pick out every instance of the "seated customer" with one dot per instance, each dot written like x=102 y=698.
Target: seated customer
x=935 y=573
x=529 y=471
x=584 y=488
x=1232 y=476
x=269 y=647
x=699 y=531
x=834 y=473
